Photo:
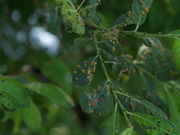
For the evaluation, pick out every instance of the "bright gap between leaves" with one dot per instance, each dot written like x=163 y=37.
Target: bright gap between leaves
x=42 y=39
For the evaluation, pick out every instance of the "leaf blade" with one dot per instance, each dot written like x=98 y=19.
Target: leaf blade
x=52 y=92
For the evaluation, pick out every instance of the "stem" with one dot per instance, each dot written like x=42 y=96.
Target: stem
x=143 y=34
x=139 y=68
x=149 y=74
x=114 y=118
x=101 y=60
x=126 y=95
x=138 y=24
x=122 y=108
x=72 y=5
x=111 y=62
x=91 y=6
x=80 y=5
x=109 y=80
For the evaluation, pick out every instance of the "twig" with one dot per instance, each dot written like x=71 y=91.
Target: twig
x=109 y=80
x=114 y=118
x=138 y=24
x=80 y=5
x=144 y=34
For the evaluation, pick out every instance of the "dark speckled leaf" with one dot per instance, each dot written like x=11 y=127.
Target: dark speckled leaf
x=84 y=73
x=98 y=102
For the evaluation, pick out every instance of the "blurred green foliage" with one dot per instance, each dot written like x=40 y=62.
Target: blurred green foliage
x=75 y=67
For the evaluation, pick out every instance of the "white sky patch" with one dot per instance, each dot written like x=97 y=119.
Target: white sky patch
x=40 y=38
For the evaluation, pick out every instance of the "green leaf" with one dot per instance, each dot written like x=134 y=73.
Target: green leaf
x=16 y=117
x=173 y=109
x=60 y=1
x=80 y=42
x=173 y=4
x=52 y=92
x=72 y=18
x=54 y=25
x=129 y=101
x=140 y=8
x=128 y=104
x=124 y=20
x=99 y=101
x=158 y=62
x=93 y=1
x=110 y=37
x=58 y=72
x=110 y=43
x=32 y=117
x=177 y=33
x=91 y=17
x=113 y=123
x=128 y=131
x=153 y=124
x=151 y=41
x=174 y=85
x=12 y=95
x=154 y=109
x=176 y=52
x=124 y=67
x=149 y=86
x=147 y=83
x=172 y=103
x=84 y=73
x=94 y=20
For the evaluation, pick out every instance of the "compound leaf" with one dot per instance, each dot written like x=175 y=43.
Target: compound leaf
x=153 y=124
x=12 y=95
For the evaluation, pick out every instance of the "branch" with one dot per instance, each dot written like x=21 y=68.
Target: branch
x=109 y=80
x=144 y=34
